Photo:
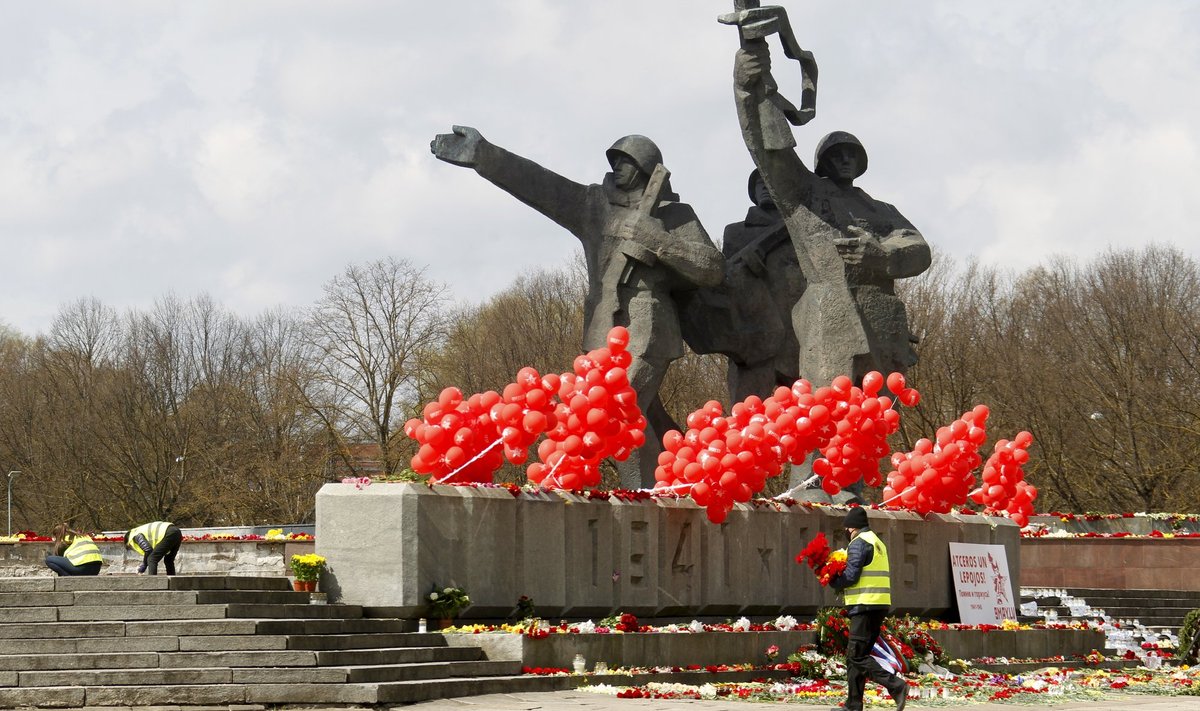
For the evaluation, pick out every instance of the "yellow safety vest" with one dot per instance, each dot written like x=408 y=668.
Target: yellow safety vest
x=143 y=538
x=874 y=586
x=83 y=550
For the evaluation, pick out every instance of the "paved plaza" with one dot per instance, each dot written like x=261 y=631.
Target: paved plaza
x=583 y=701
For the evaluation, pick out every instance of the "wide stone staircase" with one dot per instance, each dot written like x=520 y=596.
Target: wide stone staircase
x=218 y=640
x=1129 y=618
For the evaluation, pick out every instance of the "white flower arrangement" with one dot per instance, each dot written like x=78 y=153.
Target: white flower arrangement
x=742 y=625
x=696 y=626
x=785 y=622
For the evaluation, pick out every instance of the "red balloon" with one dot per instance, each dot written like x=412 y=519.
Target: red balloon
x=618 y=338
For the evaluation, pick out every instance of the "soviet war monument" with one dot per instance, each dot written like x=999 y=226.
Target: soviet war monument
x=806 y=285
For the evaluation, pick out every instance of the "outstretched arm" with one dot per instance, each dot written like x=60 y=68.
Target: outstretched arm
x=544 y=190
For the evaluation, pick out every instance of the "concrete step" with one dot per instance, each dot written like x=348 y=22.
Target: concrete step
x=103 y=660
x=233 y=643
x=259 y=597
x=336 y=626
x=294 y=611
x=128 y=598
x=98 y=613
x=56 y=630
x=28 y=614
x=155 y=628
x=398 y=655
x=407 y=692
x=26 y=585
x=238 y=658
x=94 y=645
x=35 y=599
x=431 y=670
x=365 y=641
x=125 y=677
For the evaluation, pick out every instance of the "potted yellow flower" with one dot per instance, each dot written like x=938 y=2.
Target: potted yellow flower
x=307 y=569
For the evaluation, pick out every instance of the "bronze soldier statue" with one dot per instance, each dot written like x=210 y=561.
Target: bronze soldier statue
x=642 y=247
x=850 y=247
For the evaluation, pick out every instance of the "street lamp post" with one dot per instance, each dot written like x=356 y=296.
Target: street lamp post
x=10 y=479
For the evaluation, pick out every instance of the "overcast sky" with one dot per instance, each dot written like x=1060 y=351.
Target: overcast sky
x=251 y=150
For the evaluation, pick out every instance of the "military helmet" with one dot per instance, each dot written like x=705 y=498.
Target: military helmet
x=755 y=177
x=839 y=138
x=641 y=150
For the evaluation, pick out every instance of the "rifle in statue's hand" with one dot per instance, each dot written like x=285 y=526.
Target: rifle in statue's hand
x=635 y=252
x=758 y=23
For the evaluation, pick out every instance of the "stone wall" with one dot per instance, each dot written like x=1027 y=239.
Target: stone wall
x=195 y=558
x=1118 y=563
x=389 y=545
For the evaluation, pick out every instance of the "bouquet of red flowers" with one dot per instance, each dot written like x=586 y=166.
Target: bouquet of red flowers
x=826 y=563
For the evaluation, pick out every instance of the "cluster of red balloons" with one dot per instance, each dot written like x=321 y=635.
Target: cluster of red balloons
x=457 y=437
x=937 y=475
x=526 y=410
x=864 y=422
x=597 y=416
x=1004 y=487
x=586 y=415
x=725 y=459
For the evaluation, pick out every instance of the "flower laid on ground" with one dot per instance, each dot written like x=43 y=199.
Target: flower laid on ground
x=307 y=566
x=447 y=602
x=826 y=563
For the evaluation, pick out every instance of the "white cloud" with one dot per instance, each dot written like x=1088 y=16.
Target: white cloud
x=252 y=150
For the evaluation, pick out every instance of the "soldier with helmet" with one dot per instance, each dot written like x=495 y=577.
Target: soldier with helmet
x=638 y=260
x=822 y=206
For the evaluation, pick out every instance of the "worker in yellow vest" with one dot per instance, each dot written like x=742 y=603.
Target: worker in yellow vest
x=867 y=585
x=74 y=553
x=155 y=541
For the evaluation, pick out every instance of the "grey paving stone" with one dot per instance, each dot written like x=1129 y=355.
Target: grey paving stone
x=12 y=585
x=312 y=693
x=57 y=630
x=63 y=696
x=431 y=670
x=118 y=660
x=125 y=677
x=229 y=582
x=35 y=599
x=128 y=644
x=229 y=643
x=190 y=627
x=285 y=658
x=295 y=611
x=365 y=641
x=110 y=598
x=28 y=614
x=139 y=612
x=398 y=655
x=161 y=695
x=112 y=582
x=295 y=675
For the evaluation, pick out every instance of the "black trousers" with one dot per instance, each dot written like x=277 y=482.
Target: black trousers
x=860 y=665
x=165 y=551
x=61 y=566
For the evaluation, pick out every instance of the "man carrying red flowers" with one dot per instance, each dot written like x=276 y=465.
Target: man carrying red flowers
x=867 y=585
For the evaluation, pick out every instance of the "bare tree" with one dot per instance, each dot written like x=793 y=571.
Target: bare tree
x=372 y=331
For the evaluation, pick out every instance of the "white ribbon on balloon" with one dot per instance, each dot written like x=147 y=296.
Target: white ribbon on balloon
x=469 y=462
